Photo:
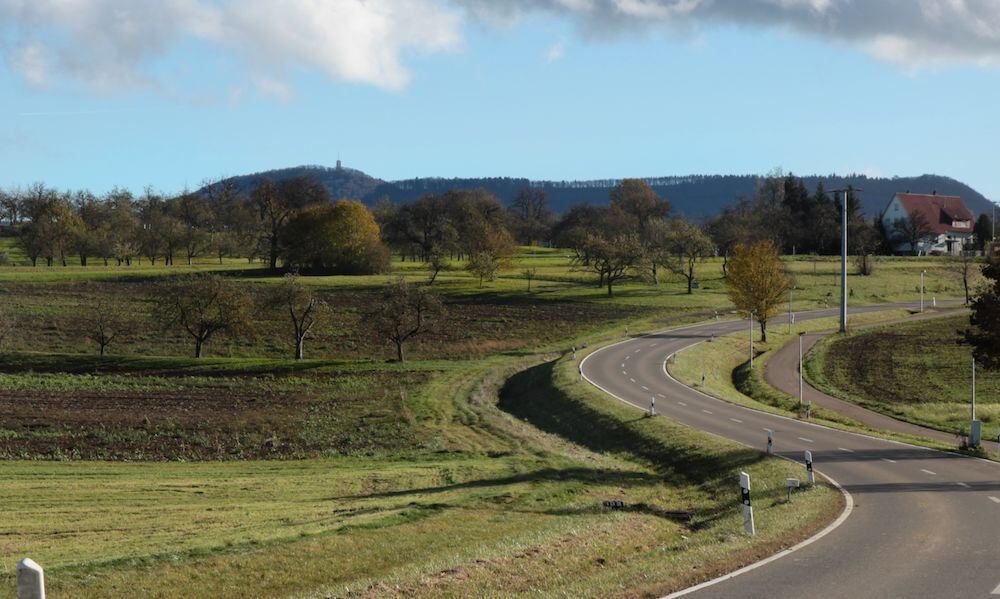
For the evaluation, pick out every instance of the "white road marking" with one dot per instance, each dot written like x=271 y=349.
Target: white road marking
x=628 y=357
x=737 y=420
x=888 y=460
x=637 y=351
x=645 y=388
x=625 y=372
x=996 y=591
x=925 y=471
x=994 y=499
x=623 y=364
x=661 y=395
x=633 y=380
x=806 y=440
x=653 y=344
x=846 y=449
x=963 y=485
x=681 y=403
x=707 y=412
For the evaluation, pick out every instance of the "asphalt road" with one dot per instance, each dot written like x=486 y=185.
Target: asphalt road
x=924 y=524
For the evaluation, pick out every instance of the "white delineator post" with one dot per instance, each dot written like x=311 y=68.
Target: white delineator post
x=809 y=468
x=30 y=580
x=747 y=506
x=770 y=442
x=652 y=406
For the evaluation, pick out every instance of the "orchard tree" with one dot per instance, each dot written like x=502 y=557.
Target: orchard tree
x=491 y=255
x=106 y=322
x=403 y=312
x=612 y=258
x=204 y=306
x=302 y=306
x=278 y=202
x=342 y=238
x=758 y=282
x=687 y=245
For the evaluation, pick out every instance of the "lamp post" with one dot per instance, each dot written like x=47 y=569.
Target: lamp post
x=791 y=315
x=802 y=334
x=922 y=273
x=751 y=340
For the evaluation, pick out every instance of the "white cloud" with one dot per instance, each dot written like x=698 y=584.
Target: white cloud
x=907 y=33
x=556 y=52
x=110 y=44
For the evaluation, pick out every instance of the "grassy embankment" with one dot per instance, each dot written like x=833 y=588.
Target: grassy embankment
x=415 y=482
x=916 y=372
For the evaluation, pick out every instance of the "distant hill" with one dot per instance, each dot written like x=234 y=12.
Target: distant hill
x=694 y=195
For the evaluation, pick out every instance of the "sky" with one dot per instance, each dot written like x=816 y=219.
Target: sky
x=103 y=93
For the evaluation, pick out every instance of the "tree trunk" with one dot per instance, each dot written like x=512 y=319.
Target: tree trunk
x=763 y=331
x=103 y=345
x=610 y=291
x=197 y=348
x=399 y=352
x=300 y=342
x=274 y=252
x=656 y=275
x=690 y=279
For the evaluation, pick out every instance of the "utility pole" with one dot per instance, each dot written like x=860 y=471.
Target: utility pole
x=843 y=255
x=751 y=341
x=791 y=315
x=922 y=273
x=800 y=368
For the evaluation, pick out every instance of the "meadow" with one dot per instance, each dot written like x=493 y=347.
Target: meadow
x=246 y=473
x=919 y=372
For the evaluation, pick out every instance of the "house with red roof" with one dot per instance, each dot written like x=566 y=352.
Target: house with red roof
x=949 y=221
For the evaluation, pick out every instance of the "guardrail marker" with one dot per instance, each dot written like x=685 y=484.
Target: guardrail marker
x=748 y=525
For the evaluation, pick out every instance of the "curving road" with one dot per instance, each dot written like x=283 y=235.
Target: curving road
x=924 y=524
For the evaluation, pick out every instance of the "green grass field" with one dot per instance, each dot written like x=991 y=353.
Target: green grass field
x=372 y=478
x=916 y=372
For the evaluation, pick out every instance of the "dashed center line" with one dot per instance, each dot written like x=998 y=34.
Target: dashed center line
x=846 y=449
x=806 y=440
x=623 y=364
x=737 y=420
x=708 y=412
x=645 y=388
x=637 y=351
x=925 y=471
x=633 y=380
x=661 y=395
x=628 y=357
x=625 y=372
x=995 y=500
x=888 y=460
x=653 y=344
x=963 y=485
x=681 y=403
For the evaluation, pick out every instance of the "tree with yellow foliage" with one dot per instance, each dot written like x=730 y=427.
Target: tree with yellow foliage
x=342 y=238
x=758 y=282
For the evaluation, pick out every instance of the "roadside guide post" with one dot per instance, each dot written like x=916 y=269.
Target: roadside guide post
x=652 y=406
x=975 y=426
x=747 y=506
x=809 y=468
x=770 y=442
x=30 y=580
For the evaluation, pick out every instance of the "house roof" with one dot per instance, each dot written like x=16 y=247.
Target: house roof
x=940 y=211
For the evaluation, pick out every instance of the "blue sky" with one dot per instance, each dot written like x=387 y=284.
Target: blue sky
x=538 y=94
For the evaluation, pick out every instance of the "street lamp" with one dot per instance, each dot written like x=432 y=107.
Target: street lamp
x=791 y=315
x=751 y=340
x=843 y=253
x=802 y=334
x=922 y=273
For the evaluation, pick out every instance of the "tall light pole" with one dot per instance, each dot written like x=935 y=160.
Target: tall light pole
x=791 y=315
x=751 y=340
x=843 y=255
x=922 y=273
x=800 y=368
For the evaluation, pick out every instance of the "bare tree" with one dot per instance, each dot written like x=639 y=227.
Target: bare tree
x=529 y=275
x=105 y=323
x=204 y=306
x=964 y=263
x=303 y=307
x=403 y=312
x=686 y=246
x=912 y=229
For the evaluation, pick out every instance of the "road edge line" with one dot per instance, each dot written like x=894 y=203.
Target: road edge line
x=844 y=515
